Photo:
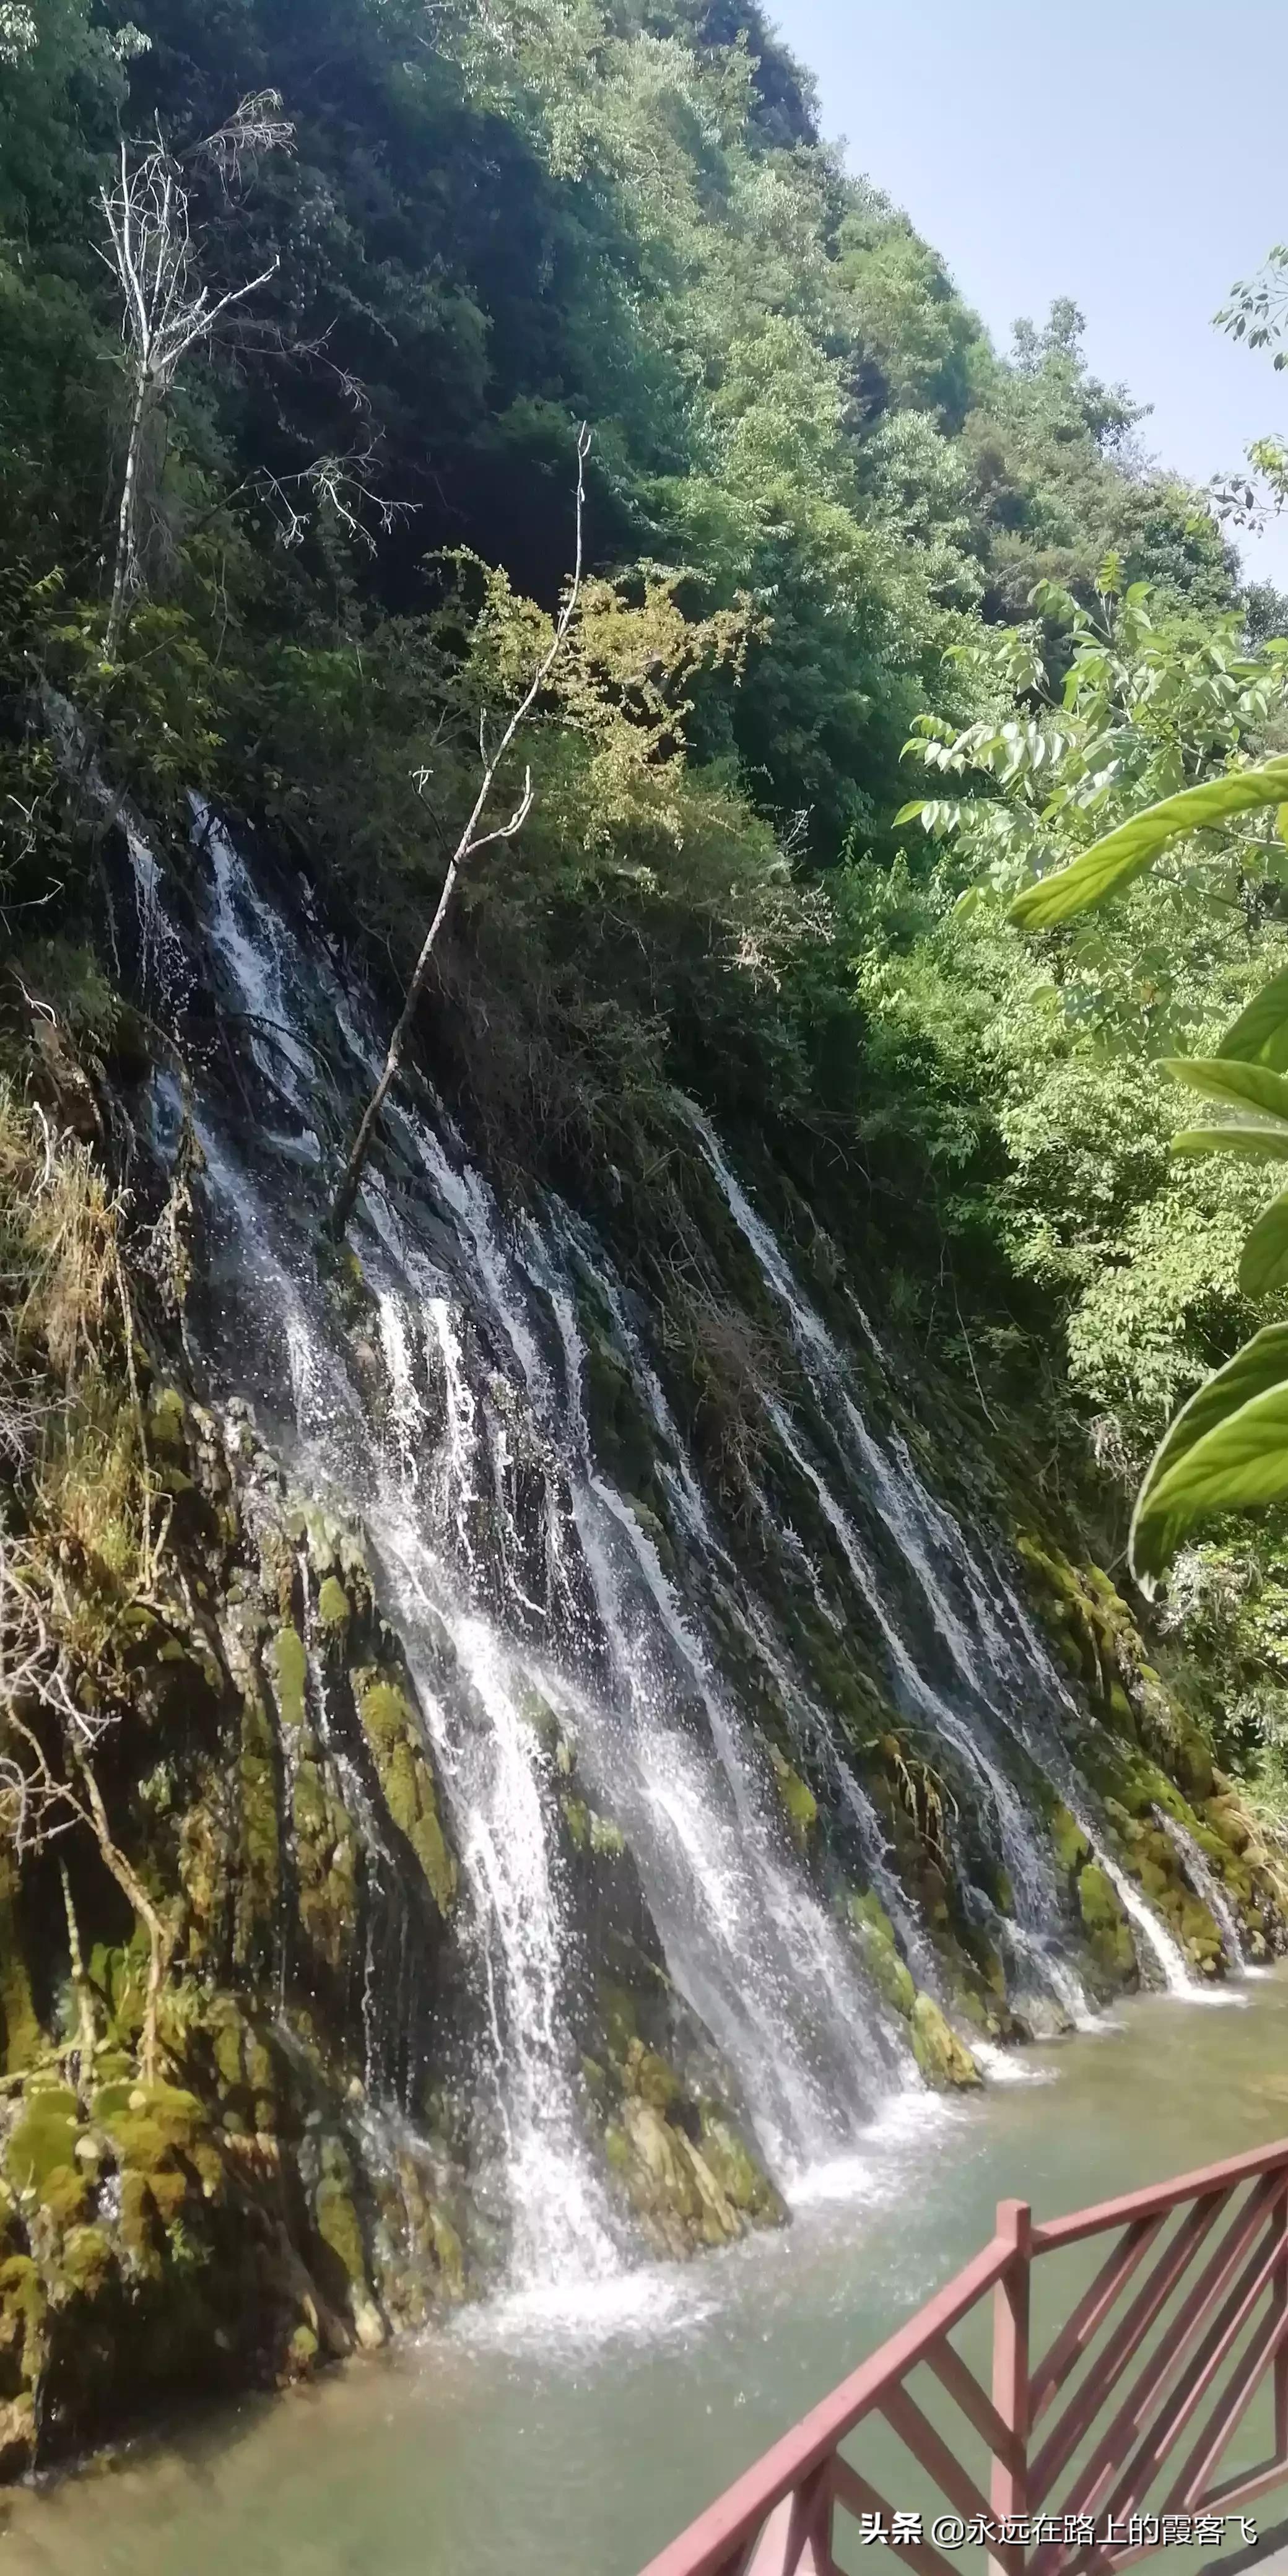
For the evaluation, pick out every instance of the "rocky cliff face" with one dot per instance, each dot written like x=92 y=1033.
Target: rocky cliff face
x=576 y=1736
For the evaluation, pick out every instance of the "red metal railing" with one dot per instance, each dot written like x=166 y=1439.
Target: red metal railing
x=1078 y=2462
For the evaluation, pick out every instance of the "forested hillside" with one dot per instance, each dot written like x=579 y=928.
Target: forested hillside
x=860 y=622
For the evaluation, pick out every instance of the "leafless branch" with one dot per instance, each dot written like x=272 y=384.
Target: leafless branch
x=471 y=841
x=166 y=312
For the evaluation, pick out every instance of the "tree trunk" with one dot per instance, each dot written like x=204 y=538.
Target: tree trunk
x=342 y=1205
x=87 y=2034
x=124 y=567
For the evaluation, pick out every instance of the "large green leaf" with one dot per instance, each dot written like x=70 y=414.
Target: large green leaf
x=1262 y=1030
x=1240 y=1086
x=1263 y=1264
x=1263 y=1144
x=1112 y=863
x=1226 y=1451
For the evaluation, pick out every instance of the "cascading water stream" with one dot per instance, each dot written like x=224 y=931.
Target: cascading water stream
x=779 y=1982
x=985 y=1663
x=1206 y=1887
x=518 y=1576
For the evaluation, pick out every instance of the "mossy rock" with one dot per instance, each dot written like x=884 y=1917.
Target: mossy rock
x=64 y=2196
x=302 y=2352
x=141 y=2228
x=392 y=1731
x=743 y=2181
x=336 y=2218
x=290 y=1672
x=43 y=2140
x=1105 y=1922
x=87 y=2262
x=334 y=1606
x=799 y=1802
x=1071 y=1845
x=618 y=2017
x=154 y=2124
x=892 y=1979
x=944 y=2059
x=167 y=1421
x=24 y=2309
x=260 y=1876
x=647 y=2074
x=623 y=1435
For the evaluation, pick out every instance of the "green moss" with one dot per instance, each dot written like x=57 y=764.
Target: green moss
x=302 y=2350
x=741 y=2179
x=887 y=1970
x=155 y=2123
x=290 y=1670
x=20 y=2033
x=617 y=2017
x=648 y=2075
x=325 y=1863
x=167 y=1420
x=23 y=2312
x=798 y=1799
x=87 y=2261
x=1098 y=1898
x=43 y=2140
x=336 y=2220
x=590 y=1831
x=944 y=2059
x=1107 y=1928
x=407 y=1782
x=64 y=2196
x=334 y=1608
x=1071 y=1845
x=260 y=1877
x=140 y=2227
x=622 y=1432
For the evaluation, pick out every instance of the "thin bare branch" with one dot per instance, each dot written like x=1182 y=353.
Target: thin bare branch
x=471 y=841
x=165 y=311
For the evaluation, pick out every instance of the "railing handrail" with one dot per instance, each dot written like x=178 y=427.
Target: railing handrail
x=711 y=2545
x=708 y=2541
x=1050 y=2233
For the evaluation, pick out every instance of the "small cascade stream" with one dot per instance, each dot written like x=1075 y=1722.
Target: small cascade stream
x=1203 y=1880
x=535 y=1598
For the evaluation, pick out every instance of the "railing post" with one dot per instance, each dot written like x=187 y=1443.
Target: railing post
x=1008 y=2493
x=1278 y=2304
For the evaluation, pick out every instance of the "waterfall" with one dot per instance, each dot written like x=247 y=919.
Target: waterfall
x=1167 y=1954
x=525 y=1585
x=252 y=941
x=985 y=1662
x=1206 y=1887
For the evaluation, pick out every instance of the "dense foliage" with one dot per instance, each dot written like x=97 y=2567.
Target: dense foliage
x=823 y=514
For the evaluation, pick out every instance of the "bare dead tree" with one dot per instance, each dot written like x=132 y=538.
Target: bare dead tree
x=49 y=1785
x=166 y=312
x=473 y=839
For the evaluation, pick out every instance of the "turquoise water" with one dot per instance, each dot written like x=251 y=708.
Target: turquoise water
x=572 y=2438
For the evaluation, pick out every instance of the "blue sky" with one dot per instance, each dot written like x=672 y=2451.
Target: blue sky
x=1124 y=153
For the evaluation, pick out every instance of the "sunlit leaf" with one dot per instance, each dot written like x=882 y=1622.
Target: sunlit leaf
x=1264 y=1261
x=1255 y=1143
x=1111 y=864
x=1226 y=1451
x=1261 y=1032
x=1229 y=1079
